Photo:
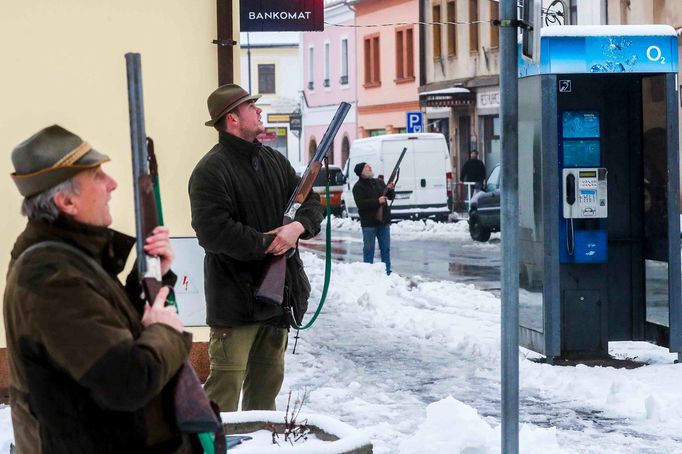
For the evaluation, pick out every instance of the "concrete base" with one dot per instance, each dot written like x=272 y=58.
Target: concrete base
x=247 y=422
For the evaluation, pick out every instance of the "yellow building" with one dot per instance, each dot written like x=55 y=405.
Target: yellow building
x=63 y=62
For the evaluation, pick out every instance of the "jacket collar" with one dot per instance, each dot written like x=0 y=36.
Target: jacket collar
x=109 y=247
x=239 y=146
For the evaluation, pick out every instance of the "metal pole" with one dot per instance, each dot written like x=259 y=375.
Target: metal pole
x=510 y=216
x=248 y=59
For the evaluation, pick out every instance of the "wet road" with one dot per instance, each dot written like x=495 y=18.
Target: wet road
x=458 y=260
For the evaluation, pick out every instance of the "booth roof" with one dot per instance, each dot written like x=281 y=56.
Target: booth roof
x=609 y=30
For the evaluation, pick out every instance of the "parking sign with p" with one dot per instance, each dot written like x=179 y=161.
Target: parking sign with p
x=415 y=122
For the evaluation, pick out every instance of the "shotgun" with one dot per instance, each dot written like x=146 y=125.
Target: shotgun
x=194 y=412
x=270 y=289
x=392 y=179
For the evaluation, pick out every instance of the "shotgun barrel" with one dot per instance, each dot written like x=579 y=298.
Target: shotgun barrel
x=270 y=289
x=392 y=179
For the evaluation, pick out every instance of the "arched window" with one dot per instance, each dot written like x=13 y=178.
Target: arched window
x=345 y=150
x=312 y=146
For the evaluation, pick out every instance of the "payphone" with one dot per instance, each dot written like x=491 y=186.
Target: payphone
x=585 y=193
x=599 y=262
x=584 y=188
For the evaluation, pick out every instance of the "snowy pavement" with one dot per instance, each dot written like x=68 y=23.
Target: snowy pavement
x=386 y=347
x=414 y=364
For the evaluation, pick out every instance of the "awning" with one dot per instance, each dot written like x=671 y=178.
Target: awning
x=447 y=97
x=446 y=91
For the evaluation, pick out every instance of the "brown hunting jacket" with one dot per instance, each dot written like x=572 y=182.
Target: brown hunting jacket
x=85 y=375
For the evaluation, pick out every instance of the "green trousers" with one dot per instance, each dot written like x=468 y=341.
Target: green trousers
x=248 y=358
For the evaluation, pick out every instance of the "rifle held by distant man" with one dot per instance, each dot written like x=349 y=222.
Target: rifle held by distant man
x=392 y=179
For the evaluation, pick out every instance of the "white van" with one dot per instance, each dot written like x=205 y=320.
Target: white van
x=425 y=173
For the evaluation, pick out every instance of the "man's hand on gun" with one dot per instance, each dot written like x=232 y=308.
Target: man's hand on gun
x=286 y=237
x=160 y=313
x=158 y=244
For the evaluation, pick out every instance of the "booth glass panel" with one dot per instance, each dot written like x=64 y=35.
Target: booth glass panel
x=655 y=197
x=657 y=292
x=531 y=219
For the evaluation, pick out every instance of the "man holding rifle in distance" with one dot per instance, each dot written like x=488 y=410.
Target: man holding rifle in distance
x=89 y=361
x=371 y=197
x=238 y=192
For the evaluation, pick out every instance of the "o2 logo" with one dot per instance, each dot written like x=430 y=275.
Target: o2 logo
x=654 y=54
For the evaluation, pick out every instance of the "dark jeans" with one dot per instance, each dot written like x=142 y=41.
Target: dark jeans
x=383 y=235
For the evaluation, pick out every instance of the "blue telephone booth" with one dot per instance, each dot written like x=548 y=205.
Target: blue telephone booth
x=599 y=206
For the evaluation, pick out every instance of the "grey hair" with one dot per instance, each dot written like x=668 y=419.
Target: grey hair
x=42 y=207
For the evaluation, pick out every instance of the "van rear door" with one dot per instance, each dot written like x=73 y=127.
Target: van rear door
x=430 y=169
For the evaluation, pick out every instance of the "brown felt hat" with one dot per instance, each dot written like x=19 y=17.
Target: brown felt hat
x=49 y=157
x=224 y=99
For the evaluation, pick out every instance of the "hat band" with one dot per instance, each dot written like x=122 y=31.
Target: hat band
x=67 y=161
x=73 y=156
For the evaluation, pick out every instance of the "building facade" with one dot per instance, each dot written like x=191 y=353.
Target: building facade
x=329 y=75
x=388 y=67
x=459 y=92
x=270 y=67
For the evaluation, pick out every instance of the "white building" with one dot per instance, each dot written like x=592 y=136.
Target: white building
x=270 y=66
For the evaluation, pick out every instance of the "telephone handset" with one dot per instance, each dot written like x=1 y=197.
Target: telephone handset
x=570 y=189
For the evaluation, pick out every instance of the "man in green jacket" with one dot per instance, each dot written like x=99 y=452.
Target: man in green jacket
x=238 y=192
x=89 y=361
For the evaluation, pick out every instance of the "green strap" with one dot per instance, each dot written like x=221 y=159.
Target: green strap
x=206 y=439
x=327 y=269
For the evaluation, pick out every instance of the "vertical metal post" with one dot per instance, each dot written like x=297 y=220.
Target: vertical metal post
x=248 y=58
x=510 y=216
x=225 y=52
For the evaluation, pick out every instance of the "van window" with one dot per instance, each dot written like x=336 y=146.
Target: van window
x=336 y=174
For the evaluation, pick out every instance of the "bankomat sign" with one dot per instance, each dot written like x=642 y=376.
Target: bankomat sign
x=281 y=15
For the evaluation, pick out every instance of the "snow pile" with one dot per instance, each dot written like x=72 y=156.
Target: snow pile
x=452 y=426
x=6 y=432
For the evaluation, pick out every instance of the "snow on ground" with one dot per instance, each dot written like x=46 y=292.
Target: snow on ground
x=415 y=230
x=389 y=352
x=414 y=365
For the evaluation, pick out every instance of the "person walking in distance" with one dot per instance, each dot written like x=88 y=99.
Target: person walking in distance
x=369 y=197
x=238 y=193
x=473 y=170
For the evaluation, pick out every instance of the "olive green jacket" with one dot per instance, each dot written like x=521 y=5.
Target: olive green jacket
x=85 y=375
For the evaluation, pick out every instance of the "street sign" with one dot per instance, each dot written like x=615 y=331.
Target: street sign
x=415 y=122
x=278 y=118
x=295 y=122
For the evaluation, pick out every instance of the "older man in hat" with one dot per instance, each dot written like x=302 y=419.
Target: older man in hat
x=89 y=361
x=371 y=195
x=238 y=192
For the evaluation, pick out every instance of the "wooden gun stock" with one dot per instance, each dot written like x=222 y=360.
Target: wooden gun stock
x=271 y=286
